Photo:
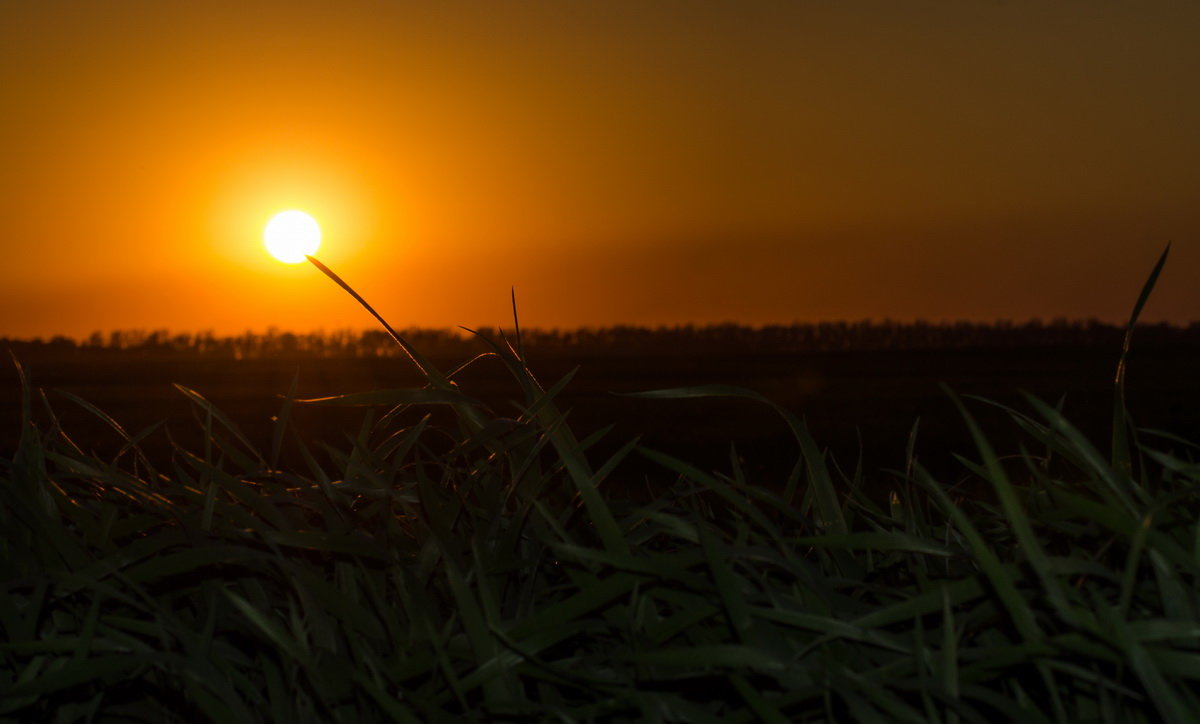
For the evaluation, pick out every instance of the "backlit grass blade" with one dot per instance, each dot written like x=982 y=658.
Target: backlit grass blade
x=427 y=369
x=1121 y=459
x=520 y=349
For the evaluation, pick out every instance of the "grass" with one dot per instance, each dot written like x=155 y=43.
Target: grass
x=475 y=569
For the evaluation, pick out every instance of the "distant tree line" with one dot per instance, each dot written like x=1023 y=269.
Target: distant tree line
x=621 y=339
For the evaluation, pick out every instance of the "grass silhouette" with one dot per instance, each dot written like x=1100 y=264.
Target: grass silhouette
x=476 y=570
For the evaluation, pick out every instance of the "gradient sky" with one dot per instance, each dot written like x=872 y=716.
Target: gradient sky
x=616 y=162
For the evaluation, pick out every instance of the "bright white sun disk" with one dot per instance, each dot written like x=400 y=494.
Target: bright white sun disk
x=292 y=235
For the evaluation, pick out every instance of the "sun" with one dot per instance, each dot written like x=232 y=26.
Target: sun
x=292 y=235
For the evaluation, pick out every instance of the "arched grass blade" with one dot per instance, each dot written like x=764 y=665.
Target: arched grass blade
x=422 y=364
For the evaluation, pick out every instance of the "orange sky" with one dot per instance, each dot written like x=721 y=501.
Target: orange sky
x=616 y=162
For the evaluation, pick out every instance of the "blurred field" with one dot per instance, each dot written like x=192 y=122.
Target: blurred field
x=860 y=403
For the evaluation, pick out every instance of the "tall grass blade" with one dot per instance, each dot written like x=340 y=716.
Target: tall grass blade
x=1121 y=459
x=517 y=328
x=428 y=370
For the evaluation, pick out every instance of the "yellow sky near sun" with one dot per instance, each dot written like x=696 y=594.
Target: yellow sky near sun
x=617 y=162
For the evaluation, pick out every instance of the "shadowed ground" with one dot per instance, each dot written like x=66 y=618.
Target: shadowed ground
x=859 y=404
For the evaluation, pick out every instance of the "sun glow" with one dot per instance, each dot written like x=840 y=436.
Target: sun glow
x=292 y=235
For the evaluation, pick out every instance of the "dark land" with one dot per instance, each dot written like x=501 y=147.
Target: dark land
x=209 y=584
x=860 y=387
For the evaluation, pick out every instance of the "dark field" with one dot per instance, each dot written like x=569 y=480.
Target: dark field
x=481 y=570
x=861 y=404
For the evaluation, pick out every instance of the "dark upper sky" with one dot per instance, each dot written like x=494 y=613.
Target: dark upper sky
x=638 y=162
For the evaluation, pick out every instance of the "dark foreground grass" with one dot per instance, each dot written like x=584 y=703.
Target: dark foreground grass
x=478 y=571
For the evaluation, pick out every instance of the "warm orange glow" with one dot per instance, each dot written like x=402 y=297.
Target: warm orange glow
x=292 y=235
x=614 y=164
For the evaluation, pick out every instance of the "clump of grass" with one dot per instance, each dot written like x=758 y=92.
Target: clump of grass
x=423 y=572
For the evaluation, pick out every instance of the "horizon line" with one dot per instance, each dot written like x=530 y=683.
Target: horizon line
x=143 y=334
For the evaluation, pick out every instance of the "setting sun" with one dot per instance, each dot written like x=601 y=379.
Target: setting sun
x=292 y=235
